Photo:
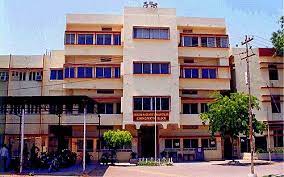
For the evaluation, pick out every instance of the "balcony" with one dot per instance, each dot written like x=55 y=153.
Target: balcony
x=203 y=52
x=93 y=83
x=190 y=119
x=205 y=84
x=204 y=45
x=106 y=119
x=93 y=43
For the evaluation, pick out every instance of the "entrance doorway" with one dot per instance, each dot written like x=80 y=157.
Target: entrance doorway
x=146 y=141
x=59 y=136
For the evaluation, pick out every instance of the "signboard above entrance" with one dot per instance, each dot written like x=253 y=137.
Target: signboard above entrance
x=150 y=116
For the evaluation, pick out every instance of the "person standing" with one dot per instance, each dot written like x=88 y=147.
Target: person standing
x=4 y=153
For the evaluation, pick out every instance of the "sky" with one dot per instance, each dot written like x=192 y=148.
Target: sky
x=34 y=26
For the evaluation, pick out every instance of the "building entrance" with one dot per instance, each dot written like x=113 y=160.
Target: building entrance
x=146 y=141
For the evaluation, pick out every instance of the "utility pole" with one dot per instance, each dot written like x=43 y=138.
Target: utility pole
x=247 y=40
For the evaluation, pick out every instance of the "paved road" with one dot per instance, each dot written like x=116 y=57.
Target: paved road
x=201 y=169
x=193 y=169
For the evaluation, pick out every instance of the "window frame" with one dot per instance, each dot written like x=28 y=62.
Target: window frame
x=57 y=76
x=85 y=38
x=152 y=103
x=172 y=143
x=104 y=43
x=150 y=29
x=151 y=71
x=273 y=72
x=209 y=76
x=276 y=104
x=70 y=40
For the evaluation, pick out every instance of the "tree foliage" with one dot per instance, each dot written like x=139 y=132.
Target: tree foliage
x=229 y=115
x=277 y=38
x=117 y=138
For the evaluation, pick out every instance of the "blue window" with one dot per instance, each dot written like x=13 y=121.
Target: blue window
x=81 y=72
x=190 y=73
x=105 y=108
x=69 y=72
x=146 y=103
x=117 y=72
x=99 y=72
x=85 y=39
x=109 y=108
x=69 y=38
x=85 y=72
x=137 y=69
x=56 y=74
x=190 y=41
x=103 y=72
x=107 y=72
x=103 y=39
x=137 y=103
x=209 y=73
x=146 y=68
x=156 y=68
x=158 y=105
x=151 y=33
x=164 y=68
x=116 y=39
x=151 y=68
x=89 y=72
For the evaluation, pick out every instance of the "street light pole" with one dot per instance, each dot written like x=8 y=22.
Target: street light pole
x=84 y=141
x=22 y=140
x=155 y=128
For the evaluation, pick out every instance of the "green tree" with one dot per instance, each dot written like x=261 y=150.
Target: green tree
x=277 y=38
x=228 y=115
x=117 y=138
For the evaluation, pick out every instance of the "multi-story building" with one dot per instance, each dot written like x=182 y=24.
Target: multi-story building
x=267 y=85
x=143 y=63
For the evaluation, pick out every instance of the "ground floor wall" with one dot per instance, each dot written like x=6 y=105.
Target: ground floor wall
x=180 y=143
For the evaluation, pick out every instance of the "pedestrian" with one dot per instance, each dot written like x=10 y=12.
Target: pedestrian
x=4 y=153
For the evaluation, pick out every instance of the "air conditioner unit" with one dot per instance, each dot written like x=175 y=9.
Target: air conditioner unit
x=38 y=78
